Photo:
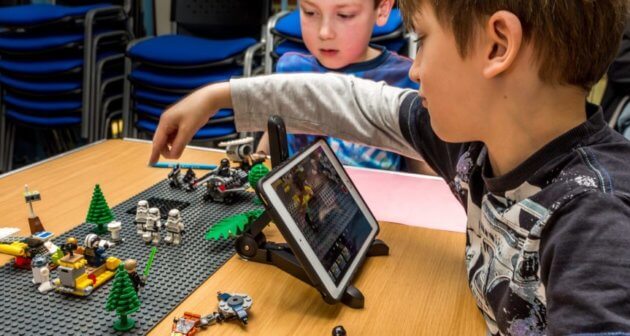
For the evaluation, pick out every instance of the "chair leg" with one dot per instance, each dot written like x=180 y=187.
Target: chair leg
x=128 y=128
x=3 y=143
x=10 y=146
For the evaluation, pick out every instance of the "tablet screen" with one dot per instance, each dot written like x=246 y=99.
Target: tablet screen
x=325 y=211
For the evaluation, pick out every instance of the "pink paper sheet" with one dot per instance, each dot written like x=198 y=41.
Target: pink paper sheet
x=409 y=199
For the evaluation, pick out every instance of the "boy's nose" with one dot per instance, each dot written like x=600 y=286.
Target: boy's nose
x=326 y=32
x=414 y=71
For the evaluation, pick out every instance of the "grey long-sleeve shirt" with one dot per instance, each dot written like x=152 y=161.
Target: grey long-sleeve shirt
x=357 y=110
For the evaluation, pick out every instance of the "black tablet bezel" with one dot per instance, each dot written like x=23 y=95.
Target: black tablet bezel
x=287 y=226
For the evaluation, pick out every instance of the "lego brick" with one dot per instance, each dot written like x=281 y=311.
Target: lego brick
x=176 y=272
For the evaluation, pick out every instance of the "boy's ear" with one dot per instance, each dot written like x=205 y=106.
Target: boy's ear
x=503 y=38
x=383 y=10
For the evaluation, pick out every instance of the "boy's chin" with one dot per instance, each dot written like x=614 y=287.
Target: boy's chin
x=448 y=134
x=332 y=64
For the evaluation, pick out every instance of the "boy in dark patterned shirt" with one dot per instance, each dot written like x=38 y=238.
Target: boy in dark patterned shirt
x=502 y=116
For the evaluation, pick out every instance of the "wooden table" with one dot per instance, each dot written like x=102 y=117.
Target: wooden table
x=419 y=289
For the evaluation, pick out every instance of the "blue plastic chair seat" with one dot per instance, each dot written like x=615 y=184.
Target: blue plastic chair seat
x=183 y=82
x=289 y=25
x=41 y=67
x=37 y=42
x=40 y=87
x=156 y=112
x=40 y=105
x=42 y=13
x=47 y=121
x=208 y=132
x=179 y=50
x=46 y=67
x=163 y=98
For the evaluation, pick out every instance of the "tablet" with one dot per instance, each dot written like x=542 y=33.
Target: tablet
x=321 y=215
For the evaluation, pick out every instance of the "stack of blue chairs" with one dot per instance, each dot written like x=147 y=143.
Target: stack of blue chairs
x=213 y=41
x=284 y=34
x=48 y=58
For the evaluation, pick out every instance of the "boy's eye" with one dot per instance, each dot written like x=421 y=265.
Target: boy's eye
x=346 y=16
x=307 y=12
x=418 y=41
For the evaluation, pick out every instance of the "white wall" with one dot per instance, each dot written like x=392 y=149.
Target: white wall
x=163 y=16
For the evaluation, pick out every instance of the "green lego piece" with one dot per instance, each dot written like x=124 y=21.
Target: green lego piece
x=233 y=225
x=123 y=299
x=149 y=262
x=54 y=257
x=257 y=172
x=99 y=212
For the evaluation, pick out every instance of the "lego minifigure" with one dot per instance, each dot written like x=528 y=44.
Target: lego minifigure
x=94 y=251
x=188 y=180
x=152 y=227
x=136 y=279
x=174 y=178
x=141 y=216
x=41 y=273
x=224 y=168
x=174 y=228
x=70 y=246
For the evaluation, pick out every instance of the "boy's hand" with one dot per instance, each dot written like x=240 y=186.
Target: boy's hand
x=179 y=123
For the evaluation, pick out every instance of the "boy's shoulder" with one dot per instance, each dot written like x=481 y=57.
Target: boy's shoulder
x=298 y=62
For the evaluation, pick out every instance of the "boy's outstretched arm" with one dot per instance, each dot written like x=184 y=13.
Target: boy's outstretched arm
x=342 y=106
x=346 y=107
x=180 y=122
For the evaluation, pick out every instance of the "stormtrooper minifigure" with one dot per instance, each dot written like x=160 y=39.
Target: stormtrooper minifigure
x=152 y=227
x=141 y=216
x=174 y=228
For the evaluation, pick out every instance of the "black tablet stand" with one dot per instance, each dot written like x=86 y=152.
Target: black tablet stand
x=253 y=245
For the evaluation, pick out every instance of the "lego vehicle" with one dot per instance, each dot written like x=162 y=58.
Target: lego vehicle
x=224 y=183
x=225 y=189
x=186 y=325
x=78 y=278
x=241 y=151
x=23 y=248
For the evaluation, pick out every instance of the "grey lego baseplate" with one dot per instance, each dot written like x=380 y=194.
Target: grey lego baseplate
x=176 y=272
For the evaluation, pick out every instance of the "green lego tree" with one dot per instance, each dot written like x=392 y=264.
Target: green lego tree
x=123 y=299
x=99 y=212
x=255 y=174
x=233 y=225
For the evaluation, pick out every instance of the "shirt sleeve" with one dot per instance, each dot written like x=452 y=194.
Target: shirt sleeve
x=585 y=266
x=345 y=107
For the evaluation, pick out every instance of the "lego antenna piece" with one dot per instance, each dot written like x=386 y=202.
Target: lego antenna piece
x=34 y=223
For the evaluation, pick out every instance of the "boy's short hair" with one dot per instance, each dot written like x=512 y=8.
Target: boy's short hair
x=574 y=40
